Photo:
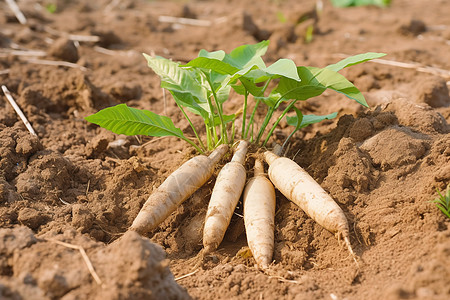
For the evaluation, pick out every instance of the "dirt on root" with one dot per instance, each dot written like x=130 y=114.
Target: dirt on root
x=77 y=185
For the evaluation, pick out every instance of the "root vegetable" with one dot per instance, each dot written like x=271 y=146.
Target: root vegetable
x=175 y=189
x=299 y=187
x=225 y=196
x=259 y=215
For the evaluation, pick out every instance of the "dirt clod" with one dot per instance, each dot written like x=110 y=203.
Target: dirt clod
x=7 y=192
x=147 y=275
x=142 y=273
x=96 y=146
x=418 y=117
x=395 y=147
x=250 y=26
x=64 y=49
x=433 y=92
x=31 y=218
x=361 y=129
x=15 y=239
x=82 y=218
x=414 y=28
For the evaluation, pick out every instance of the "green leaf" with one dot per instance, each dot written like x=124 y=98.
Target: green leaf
x=213 y=65
x=122 y=119
x=186 y=99
x=223 y=93
x=248 y=85
x=303 y=90
x=217 y=78
x=243 y=57
x=445 y=211
x=337 y=82
x=247 y=55
x=298 y=92
x=220 y=54
x=314 y=81
x=238 y=65
x=272 y=100
x=280 y=68
x=226 y=119
x=354 y=60
x=308 y=119
x=298 y=122
x=238 y=88
x=298 y=119
x=258 y=75
x=177 y=79
x=443 y=201
x=283 y=67
x=244 y=73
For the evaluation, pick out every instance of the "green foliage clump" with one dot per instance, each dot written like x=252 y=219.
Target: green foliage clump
x=443 y=202
x=203 y=85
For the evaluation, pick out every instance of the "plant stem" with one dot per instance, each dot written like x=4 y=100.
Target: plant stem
x=265 y=86
x=254 y=110
x=223 y=130
x=244 y=115
x=264 y=125
x=208 y=137
x=210 y=126
x=233 y=128
x=269 y=116
x=216 y=138
x=194 y=145
x=250 y=122
x=285 y=111
x=288 y=138
x=192 y=126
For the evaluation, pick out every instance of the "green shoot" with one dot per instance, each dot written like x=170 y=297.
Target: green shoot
x=443 y=202
x=281 y=17
x=309 y=35
x=203 y=85
x=51 y=8
x=347 y=3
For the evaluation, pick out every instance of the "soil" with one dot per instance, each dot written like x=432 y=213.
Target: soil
x=78 y=184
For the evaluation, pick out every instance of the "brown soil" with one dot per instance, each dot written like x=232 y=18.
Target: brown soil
x=79 y=184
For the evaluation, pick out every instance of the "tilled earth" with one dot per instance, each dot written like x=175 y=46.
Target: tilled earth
x=76 y=187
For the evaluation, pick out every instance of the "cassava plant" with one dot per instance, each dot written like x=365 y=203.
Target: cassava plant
x=202 y=87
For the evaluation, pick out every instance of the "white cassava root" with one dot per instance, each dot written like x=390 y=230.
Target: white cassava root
x=299 y=187
x=224 y=198
x=259 y=216
x=181 y=184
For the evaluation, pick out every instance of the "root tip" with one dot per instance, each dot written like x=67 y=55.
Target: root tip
x=350 y=249
x=208 y=249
